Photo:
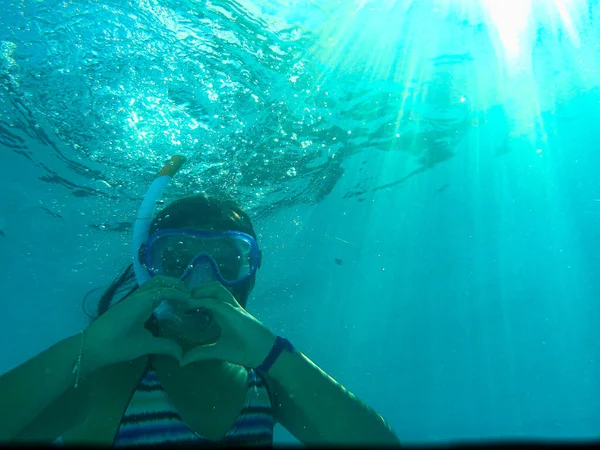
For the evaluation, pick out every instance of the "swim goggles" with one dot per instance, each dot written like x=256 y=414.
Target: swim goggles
x=197 y=257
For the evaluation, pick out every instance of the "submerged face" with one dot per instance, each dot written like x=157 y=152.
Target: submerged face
x=196 y=257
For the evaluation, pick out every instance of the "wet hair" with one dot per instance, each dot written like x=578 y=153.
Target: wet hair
x=198 y=211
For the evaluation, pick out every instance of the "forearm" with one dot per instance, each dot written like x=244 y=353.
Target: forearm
x=335 y=412
x=29 y=388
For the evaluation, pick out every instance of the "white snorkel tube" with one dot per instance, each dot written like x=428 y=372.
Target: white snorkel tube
x=141 y=226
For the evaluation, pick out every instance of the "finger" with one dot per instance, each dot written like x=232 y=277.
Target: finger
x=214 y=287
x=215 y=290
x=202 y=353
x=157 y=295
x=167 y=347
x=218 y=306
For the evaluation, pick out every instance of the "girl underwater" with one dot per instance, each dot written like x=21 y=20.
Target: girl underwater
x=178 y=359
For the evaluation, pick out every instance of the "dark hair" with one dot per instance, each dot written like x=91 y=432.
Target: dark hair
x=189 y=212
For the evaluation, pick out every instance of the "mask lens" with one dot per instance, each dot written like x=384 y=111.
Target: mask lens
x=173 y=255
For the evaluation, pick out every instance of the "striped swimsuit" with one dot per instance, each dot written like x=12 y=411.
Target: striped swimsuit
x=151 y=419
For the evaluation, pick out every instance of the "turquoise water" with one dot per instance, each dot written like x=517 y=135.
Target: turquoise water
x=422 y=176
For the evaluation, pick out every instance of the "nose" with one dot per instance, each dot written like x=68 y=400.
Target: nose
x=202 y=272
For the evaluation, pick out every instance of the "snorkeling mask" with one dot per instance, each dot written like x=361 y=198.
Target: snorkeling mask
x=197 y=257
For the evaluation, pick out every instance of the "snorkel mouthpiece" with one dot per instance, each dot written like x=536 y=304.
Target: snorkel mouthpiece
x=202 y=317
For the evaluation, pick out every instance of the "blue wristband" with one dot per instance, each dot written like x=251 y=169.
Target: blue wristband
x=279 y=346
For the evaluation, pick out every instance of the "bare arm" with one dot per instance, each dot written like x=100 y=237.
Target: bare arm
x=119 y=335
x=316 y=409
x=308 y=402
x=30 y=388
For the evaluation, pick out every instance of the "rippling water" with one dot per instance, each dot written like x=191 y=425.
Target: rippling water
x=484 y=296
x=247 y=92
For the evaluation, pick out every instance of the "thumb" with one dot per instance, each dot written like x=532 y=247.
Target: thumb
x=166 y=347
x=204 y=352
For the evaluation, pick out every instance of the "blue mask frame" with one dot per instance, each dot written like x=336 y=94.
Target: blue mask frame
x=255 y=253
